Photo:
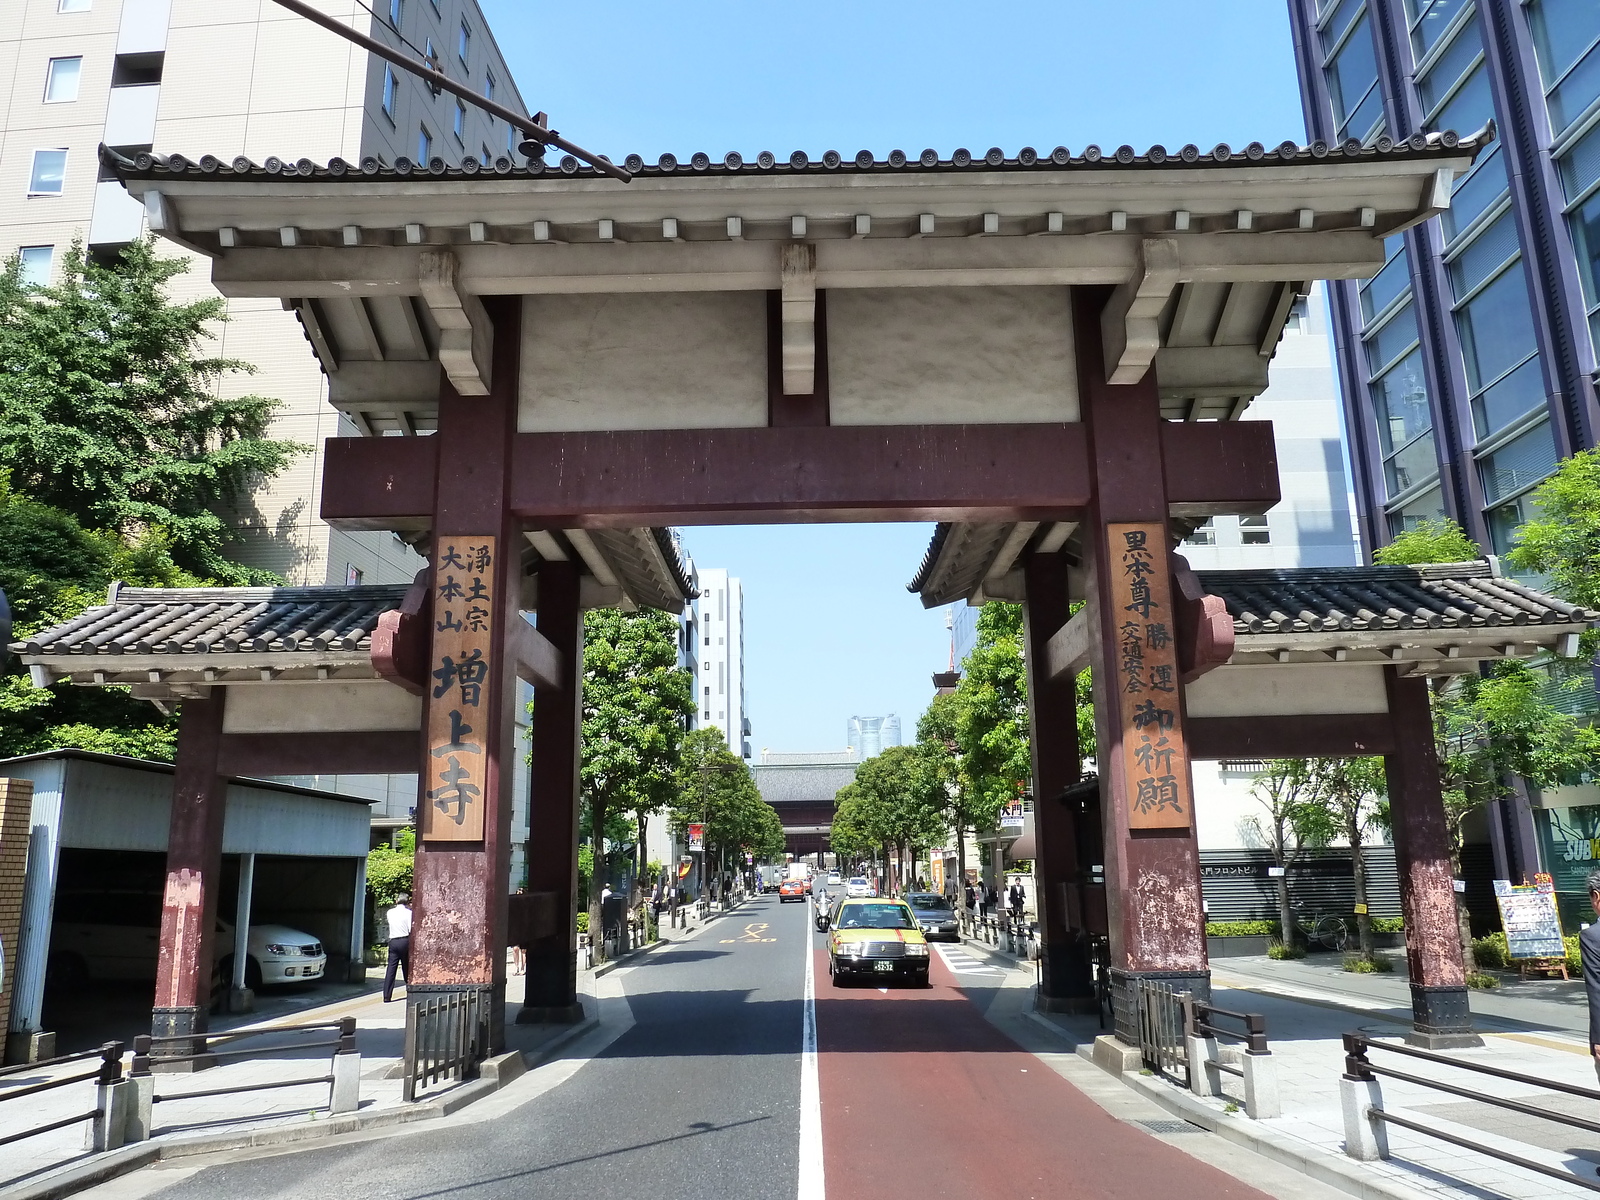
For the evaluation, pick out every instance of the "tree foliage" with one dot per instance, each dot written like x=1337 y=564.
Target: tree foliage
x=636 y=702
x=714 y=787
x=1341 y=799
x=1563 y=541
x=991 y=726
x=1441 y=541
x=109 y=408
x=389 y=869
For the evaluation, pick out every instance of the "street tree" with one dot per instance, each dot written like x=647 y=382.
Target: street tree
x=111 y=407
x=1440 y=541
x=991 y=727
x=1340 y=797
x=1281 y=790
x=636 y=703
x=904 y=802
x=714 y=788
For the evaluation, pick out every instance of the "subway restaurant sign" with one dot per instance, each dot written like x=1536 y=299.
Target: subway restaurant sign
x=1570 y=842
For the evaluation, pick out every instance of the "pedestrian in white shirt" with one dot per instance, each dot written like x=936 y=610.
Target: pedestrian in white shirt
x=399 y=918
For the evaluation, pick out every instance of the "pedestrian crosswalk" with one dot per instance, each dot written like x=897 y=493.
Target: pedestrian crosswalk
x=963 y=962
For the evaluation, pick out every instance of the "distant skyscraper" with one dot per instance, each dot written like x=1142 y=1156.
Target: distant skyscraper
x=719 y=686
x=868 y=736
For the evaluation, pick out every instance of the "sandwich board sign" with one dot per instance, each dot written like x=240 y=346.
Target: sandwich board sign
x=1532 y=924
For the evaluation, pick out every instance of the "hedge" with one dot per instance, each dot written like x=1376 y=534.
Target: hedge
x=1492 y=951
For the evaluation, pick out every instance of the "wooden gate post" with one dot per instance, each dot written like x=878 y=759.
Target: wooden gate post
x=1152 y=860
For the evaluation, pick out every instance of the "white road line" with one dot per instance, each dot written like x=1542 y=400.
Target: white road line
x=963 y=963
x=811 y=1179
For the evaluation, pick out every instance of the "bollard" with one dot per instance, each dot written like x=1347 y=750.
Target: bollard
x=108 y=1129
x=141 y=1103
x=1365 y=1139
x=1204 y=1078
x=344 y=1093
x=1261 y=1086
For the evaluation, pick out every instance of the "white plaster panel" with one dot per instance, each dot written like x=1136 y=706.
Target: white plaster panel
x=321 y=707
x=643 y=361
x=944 y=356
x=1288 y=690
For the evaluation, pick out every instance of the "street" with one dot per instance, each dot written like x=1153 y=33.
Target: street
x=920 y=1096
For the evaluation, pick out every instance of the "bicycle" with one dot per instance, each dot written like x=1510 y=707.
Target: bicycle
x=1326 y=930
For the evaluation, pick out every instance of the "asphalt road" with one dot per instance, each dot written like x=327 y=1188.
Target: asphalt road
x=913 y=1094
x=700 y=1097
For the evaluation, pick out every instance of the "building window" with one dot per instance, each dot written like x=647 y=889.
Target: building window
x=511 y=139
x=73 y=6
x=1566 y=38
x=391 y=86
x=1495 y=324
x=488 y=85
x=1438 y=80
x=61 y=80
x=461 y=122
x=1518 y=464
x=352 y=575
x=49 y=173
x=36 y=262
x=1427 y=507
x=1389 y=284
x=1205 y=534
x=424 y=145
x=488 y=157
x=1579 y=166
x=396 y=11
x=1253 y=531
x=1351 y=65
x=1430 y=20
x=1405 y=425
x=463 y=43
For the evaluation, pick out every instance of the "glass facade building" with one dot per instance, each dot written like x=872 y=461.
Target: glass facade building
x=1468 y=361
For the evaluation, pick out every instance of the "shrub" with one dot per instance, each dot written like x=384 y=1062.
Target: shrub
x=583 y=922
x=1378 y=964
x=1278 y=950
x=1574 y=957
x=1491 y=951
x=1388 y=925
x=1241 y=929
x=1481 y=980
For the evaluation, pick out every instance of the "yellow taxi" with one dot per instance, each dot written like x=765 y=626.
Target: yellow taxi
x=873 y=938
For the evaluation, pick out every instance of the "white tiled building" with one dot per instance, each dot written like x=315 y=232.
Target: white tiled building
x=719 y=681
x=230 y=78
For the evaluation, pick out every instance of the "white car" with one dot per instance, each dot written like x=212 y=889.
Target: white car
x=833 y=879
x=858 y=887
x=277 y=954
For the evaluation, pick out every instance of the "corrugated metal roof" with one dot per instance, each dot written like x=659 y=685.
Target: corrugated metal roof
x=1091 y=158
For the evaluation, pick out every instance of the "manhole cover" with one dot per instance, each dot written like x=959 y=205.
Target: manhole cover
x=1163 y=1126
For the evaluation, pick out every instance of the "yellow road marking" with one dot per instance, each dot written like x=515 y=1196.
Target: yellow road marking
x=1548 y=1043
x=752 y=933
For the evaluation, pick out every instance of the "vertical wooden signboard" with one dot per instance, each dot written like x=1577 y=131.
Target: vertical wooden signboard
x=1155 y=760
x=458 y=712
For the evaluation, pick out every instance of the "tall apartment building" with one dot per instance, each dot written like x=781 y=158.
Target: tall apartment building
x=228 y=78
x=719 y=681
x=1469 y=360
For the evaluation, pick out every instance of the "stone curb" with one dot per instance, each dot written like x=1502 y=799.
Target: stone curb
x=1334 y=1171
x=495 y=1074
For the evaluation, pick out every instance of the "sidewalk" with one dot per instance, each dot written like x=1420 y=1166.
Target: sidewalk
x=277 y=1114
x=1537 y=1030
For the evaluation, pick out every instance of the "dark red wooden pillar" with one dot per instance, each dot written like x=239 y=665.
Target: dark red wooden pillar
x=194 y=869
x=1152 y=861
x=1440 y=1013
x=1065 y=980
x=460 y=890
x=552 y=980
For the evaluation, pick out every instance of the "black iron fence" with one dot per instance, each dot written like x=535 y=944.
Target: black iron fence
x=1366 y=1118
x=447 y=1036
x=105 y=1074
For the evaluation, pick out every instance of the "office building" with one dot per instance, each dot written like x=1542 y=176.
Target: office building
x=230 y=78
x=1469 y=361
x=868 y=737
x=719 y=681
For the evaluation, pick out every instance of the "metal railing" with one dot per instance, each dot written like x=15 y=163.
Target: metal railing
x=1162 y=1020
x=106 y=1074
x=447 y=1036
x=1365 y=1118
x=1254 y=1067
x=150 y=1052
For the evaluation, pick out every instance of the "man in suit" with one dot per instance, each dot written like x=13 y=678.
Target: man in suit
x=1589 y=945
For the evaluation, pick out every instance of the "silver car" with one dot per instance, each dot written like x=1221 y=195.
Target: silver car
x=935 y=914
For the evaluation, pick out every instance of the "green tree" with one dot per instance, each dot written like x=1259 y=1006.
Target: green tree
x=109 y=407
x=904 y=803
x=51 y=569
x=991 y=725
x=1281 y=791
x=1441 y=541
x=636 y=702
x=1562 y=543
x=937 y=735
x=389 y=869
x=1340 y=797
x=715 y=788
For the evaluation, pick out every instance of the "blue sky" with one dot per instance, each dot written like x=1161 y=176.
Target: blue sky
x=830 y=629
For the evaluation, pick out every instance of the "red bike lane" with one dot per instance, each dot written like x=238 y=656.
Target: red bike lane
x=923 y=1098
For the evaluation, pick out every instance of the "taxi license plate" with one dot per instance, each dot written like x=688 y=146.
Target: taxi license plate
x=883 y=966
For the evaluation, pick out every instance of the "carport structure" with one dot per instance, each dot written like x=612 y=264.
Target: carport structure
x=1049 y=350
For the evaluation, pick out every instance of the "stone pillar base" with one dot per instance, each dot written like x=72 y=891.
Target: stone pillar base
x=241 y=1000
x=557 y=1014
x=1441 y=1018
x=31 y=1045
x=1125 y=1017
x=184 y=1021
